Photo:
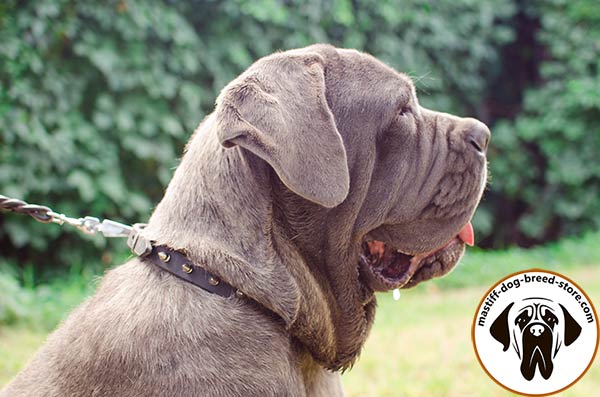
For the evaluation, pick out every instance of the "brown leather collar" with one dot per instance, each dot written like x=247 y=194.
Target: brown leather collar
x=178 y=264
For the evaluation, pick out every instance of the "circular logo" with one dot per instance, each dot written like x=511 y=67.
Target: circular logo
x=535 y=332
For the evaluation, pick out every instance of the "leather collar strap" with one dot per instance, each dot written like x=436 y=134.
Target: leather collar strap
x=179 y=265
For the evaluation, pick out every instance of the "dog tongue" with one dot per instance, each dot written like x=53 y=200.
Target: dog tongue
x=466 y=234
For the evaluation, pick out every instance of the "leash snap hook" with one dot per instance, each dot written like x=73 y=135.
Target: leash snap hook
x=87 y=225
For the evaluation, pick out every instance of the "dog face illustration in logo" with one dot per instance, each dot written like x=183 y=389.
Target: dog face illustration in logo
x=537 y=329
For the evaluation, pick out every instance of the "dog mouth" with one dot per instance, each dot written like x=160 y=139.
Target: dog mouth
x=384 y=268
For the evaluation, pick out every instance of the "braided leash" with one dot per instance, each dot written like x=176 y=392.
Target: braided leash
x=39 y=212
x=87 y=225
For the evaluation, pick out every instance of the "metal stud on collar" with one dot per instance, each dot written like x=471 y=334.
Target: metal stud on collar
x=163 y=256
x=213 y=281
x=187 y=268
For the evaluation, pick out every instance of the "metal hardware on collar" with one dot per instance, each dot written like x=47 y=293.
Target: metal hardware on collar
x=137 y=243
x=181 y=266
x=163 y=256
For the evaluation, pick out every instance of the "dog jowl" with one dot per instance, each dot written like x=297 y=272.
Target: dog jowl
x=537 y=328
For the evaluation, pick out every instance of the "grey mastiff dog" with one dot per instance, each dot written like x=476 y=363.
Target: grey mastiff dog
x=317 y=180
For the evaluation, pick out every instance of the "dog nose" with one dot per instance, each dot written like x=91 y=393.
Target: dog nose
x=479 y=136
x=536 y=330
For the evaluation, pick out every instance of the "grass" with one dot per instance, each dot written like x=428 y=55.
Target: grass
x=17 y=345
x=419 y=346
x=41 y=307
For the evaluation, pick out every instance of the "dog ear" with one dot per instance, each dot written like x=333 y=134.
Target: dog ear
x=499 y=328
x=572 y=327
x=278 y=111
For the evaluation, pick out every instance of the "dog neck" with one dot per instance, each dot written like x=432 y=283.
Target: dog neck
x=220 y=210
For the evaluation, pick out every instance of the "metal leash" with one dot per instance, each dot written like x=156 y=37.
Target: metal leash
x=87 y=225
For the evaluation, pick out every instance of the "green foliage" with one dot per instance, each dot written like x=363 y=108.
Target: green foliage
x=42 y=306
x=97 y=99
x=11 y=296
x=545 y=162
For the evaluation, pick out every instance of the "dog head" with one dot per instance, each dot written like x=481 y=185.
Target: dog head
x=344 y=131
x=536 y=328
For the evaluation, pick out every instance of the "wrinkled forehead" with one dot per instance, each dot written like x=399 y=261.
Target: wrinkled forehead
x=359 y=84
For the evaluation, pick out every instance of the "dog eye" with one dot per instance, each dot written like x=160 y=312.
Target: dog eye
x=404 y=110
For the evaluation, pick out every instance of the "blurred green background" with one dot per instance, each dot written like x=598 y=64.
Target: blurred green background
x=97 y=99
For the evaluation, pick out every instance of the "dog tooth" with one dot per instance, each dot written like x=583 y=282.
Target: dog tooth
x=396 y=294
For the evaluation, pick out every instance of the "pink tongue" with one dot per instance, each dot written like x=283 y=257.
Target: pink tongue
x=466 y=234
